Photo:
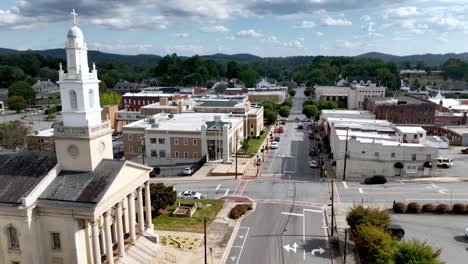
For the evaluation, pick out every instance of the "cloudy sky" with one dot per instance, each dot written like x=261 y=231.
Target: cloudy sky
x=260 y=27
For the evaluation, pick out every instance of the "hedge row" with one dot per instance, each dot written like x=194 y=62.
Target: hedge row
x=416 y=208
x=239 y=210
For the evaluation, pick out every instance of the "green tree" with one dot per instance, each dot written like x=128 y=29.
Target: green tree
x=248 y=77
x=307 y=92
x=269 y=105
x=162 y=196
x=22 y=88
x=110 y=98
x=14 y=135
x=292 y=92
x=308 y=102
x=359 y=215
x=220 y=88
x=328 y=105
x=233 y=69
x=10 y=74
x=17 y=103
x=310 y=111
x=375 y=245
x=270 y=116
x=284 y=111
x=416 y=83
x=415 y=252
x=46 y=73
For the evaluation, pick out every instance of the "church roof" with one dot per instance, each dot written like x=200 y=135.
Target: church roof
x=83 y=187
x=21 y=171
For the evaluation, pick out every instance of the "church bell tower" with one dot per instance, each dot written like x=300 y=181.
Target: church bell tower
x=83 y=139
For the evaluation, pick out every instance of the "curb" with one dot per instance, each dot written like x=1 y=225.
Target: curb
x=234 y=233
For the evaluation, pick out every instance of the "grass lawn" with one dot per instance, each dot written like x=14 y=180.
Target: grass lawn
x=254 y=144
x=189 y=224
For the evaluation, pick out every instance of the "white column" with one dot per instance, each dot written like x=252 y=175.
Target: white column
x=131 y=217
x=149 y=219
x=141 y=220
x=226 y=155
x=96 y=246
x=120 y=233
x=103 y=236
x=107 y=226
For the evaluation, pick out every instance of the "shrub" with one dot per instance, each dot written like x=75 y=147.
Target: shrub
x=372 y=216
x=257 y=137
x=415 y=252
x=162 y=196
x=458 y=208
x=442 y=208
x=239 y=210
x=399 y=208
x=428 y=208
x=413 y=208
x=374 y=244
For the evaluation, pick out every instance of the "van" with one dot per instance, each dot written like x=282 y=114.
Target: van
x=444 y=162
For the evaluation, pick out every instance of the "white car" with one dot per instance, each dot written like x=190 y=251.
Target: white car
x=191 y=195
x=313 y=164
x=444 y=162
x=187 y=171
x=274 y=145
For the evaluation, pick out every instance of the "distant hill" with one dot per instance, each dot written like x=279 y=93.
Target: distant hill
x=428 y=59
x=242 y=57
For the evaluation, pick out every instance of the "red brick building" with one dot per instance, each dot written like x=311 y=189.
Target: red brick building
x=133 y=101
x=404 y=110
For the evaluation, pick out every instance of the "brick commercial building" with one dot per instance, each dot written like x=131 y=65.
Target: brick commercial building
x=127 y=87
x=134 y=101
x=404 y=110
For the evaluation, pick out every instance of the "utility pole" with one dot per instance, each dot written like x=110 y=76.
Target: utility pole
x=236 y=152
x=332 y=208
x=345 y=155
x=204 y=231
x=345 y=245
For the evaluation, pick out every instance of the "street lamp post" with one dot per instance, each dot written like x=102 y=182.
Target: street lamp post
x=345 y=155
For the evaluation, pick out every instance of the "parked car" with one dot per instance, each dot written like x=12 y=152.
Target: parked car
x=283 y=122
x=466 y=233
x=313 y=164
x=274 y=145
x=464 y=151
x=396 y=231
x=297 y=119
x=300 y=126
x=444 y=162
x=376 y=179
x=187 y=171
x=191 y=195
x=277 y=139
x=279 y=130
x=155 y=172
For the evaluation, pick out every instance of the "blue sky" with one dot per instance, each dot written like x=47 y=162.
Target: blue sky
x=267 y=28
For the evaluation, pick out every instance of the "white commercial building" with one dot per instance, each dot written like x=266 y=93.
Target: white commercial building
x=352 y=96
x=376 y=147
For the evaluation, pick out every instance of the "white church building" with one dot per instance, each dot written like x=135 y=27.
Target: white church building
x=78 y=205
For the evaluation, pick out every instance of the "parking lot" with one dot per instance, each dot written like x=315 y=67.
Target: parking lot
x=439 y=231
x=460 y=161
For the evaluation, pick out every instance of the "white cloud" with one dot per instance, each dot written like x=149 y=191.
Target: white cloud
x=185 y=49
x=11 y=20
x=218 y=28
x=295 y=44
x=248 y=33
x=305 y=24
x=329 y=21
x=122 y=47
x=125 y=22
x=401 y=12
x=271 y=39
x=230 y=38
x=182 y=35
x=318 y=34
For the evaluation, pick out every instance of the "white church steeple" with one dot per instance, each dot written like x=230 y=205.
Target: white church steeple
x=79 y=88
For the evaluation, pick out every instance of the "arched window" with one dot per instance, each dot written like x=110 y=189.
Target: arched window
x=91 y=98
x=13 y=241
x=73 y=103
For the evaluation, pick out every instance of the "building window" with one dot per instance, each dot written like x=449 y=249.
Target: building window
x=413 y=156
x=185 y=155
x=91 y=98
x=415 y=136
x=177 y=154
x=162 y=153
x=195 y=155
x=56 y=244
x=393 y=155
x=376 y=154
x=140 y=137
x=152 y=140
x=130 y=138
x=428 y=157
x=176 y=141
x=130 y=149
x=185 y=141
x=13 y=241
x=73 y=103
x=411 y=168
x=162 y=141
x=195 y=142
x=154 y=153
x=15 y=262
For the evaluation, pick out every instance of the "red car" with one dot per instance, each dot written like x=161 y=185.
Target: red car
x=464 y=151
x=279 y=130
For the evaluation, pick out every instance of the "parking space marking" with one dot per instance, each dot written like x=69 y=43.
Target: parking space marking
x=219 y=186
x=345 y=185
x=360 y=191
x=243 y=243
x=226 y=193
x=294 y=214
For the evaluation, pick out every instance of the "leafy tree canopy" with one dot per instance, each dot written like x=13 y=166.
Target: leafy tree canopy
x=110 y=98
x=24 y=89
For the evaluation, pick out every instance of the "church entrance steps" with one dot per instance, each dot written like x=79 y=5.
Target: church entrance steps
x=142 y=252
